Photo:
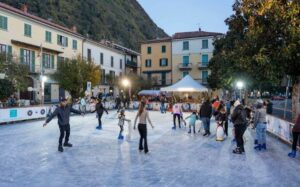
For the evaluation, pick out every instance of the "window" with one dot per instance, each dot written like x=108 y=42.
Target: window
x=101 y=59
x=62 y=40
x=185 y=73
x=60 y=59
x=27 y=30
x=204 y=61
x=6 y=49
x=148 y=63
x=204 y=44
x=75 y=44
x=48 y=61
x=112 y=61
x=149 y=50
x=28 y=57
x=3 y=22
x=204 y=76
x=112 y=74
x=163 y=62
x=103 y=77
x=185 y=61
x=89 y=55
x=186 y=45
x=48 y=37
x=163 y=49
x=121 y=64
x=3 y=48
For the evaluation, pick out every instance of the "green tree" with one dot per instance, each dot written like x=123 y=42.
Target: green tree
x=73 y=75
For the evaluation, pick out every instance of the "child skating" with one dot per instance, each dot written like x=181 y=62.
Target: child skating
x=192 y=122
x=63 y=115
x=121 y=123
x=99 y=109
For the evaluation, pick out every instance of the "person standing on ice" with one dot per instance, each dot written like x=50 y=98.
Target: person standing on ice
x=177 y=111
x=63 y=115
x=192 y=122
x=240 y=125
x=143 y=117
x=260 y=125
x=296 y=135
x=100 y=109
x=205 y=114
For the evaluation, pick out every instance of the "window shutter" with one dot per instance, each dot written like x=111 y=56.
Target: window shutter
x=58 y=43
x=160 y=63
x=22 y=56
x=66 y=42
x=52 y=61
x=43 y=60
x=5 y=23
x=9 y=50
x=166 y=62
x=33 y=62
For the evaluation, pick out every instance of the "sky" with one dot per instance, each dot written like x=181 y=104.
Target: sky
x=188 y=15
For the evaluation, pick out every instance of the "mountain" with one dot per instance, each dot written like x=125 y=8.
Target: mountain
x=122 y=21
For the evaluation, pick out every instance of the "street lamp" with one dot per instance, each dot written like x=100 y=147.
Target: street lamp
x=126 y=84
x=240 y=86
x=43 y=80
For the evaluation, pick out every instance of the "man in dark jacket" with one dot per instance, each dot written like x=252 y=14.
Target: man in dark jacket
x=239 y=120
x=63 y=115
x=100 y=109
x=118 y=103
x=205 y=114
x=269 y=107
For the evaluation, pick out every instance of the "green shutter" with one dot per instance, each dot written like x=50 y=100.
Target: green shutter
x=29 y=27
x=66 y=41
x=58 y=40
x=33 y=62
x=43 y=59
x=22 y=56
x=9 y=50
x=3 y=22
x=52 y=61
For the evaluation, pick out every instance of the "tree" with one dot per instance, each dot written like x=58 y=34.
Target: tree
x=73 y=75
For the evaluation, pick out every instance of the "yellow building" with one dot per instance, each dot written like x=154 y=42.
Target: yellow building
x=191 y=52
x=156 y=61
x=40 y=44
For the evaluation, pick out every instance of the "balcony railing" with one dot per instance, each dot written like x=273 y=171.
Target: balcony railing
x=156 y=82
x=131 y=63
x=202 y=65
x=185 y=66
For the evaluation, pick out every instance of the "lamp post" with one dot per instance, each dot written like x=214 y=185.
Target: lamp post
x=126 y=84
x=240 y=86
x=43 y=80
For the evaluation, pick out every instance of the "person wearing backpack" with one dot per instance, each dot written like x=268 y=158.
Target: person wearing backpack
x=240 y=125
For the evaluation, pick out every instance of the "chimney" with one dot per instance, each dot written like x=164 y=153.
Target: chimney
x=74 y=28
x=24 y=8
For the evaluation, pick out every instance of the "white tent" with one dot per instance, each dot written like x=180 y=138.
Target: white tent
x=187 y=84
x=150 y=92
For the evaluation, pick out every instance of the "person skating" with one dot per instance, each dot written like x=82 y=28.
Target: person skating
x=63 y=112
x=99 y=109
x=121 y=123
x=192 y=122
x=222 y=119
x=240 y=125
x=205 y=114
x=260 y=123
x=296 y=135
x=143 y=117
x=118 y=103
x=177 y=111
x=162 y=105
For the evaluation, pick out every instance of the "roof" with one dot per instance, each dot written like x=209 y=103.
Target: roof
x=187 y=84
x=195 y=34
x=36 y=18
x=158 y=40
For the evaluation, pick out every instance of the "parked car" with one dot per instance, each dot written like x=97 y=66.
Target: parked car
x=278 y=97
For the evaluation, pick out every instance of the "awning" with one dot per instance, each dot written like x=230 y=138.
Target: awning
x=16 y=42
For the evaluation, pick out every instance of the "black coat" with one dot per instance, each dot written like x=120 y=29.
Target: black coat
x=100 y=109
x=205 y=110
x=63 y=114
x=239 y=116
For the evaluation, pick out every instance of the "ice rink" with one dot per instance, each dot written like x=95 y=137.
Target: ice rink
x=29 y=157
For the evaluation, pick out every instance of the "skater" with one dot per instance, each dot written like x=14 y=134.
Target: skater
x=192 y=122
x=121 y=123
x=83 y=104
x=118 y=104
x=100 y=109
x=162 y=104
x=260 y=124
x=296 y=135
x=240 y=125
x=63 y=115
x=177 y=111
x=205 y=114
x=142 y=126
x=222 y=119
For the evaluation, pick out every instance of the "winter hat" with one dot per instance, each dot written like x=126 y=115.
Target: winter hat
x=237 y=103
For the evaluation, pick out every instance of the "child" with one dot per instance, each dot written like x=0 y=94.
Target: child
x=222 y=119
x=192 y=122
x=100 y=109
x=121 y=123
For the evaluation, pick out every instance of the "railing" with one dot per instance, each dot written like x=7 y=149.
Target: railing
x=131 y=63
x=185 y=66
x=203 y=65
x=161 y=82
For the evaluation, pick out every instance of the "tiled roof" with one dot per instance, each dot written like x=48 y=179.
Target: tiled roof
x=36 y=18
x=167 y=39
x=195 y=34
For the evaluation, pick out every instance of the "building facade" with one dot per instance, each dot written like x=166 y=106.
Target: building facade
x=156 y=62
x=40 y=44
x=191 y=53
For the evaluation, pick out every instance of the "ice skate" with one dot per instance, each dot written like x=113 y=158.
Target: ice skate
x=60 y=149
x=68 y=145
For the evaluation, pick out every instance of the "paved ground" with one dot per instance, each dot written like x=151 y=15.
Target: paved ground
x=29 y=157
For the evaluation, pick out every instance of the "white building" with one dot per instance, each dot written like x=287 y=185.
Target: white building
x=111 y=61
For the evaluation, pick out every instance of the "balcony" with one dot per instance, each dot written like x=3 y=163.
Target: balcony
x=158 y=83
x=203 y=65
x=185 y=66
x=131 y=63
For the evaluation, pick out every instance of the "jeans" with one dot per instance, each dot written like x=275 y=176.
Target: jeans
x=64 y=129
x=174 y=119
x=162 y=108
x=206 y=124
x=143 y=137
x=99 y=120
x=261 y=133
x=296 y=135
x=239 y=133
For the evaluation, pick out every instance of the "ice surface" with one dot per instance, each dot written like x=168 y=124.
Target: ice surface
x=29 y=157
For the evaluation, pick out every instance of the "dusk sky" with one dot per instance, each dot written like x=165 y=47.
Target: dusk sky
x=188 y=15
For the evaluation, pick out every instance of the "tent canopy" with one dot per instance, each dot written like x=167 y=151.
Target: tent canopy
x=150 y=92
x=187 y=84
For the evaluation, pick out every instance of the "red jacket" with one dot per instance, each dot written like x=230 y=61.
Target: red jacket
x=297 y=125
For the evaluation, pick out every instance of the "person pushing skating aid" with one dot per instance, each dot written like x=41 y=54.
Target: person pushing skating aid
x=63 y=115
